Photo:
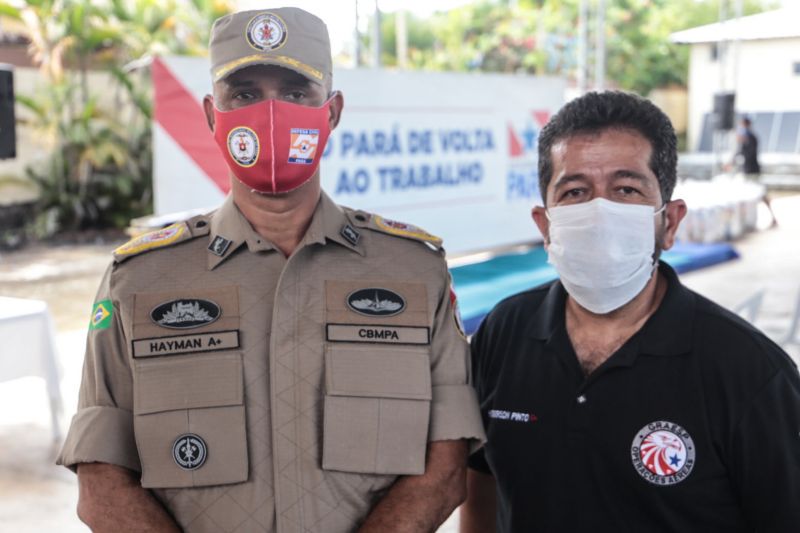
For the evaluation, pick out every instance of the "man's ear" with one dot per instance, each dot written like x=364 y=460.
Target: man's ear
x=539 y=215
x=208 y=108
x=674 y=212
x=335 y=109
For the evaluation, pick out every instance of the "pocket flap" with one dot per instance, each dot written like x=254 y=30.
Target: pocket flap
x=378 y=372
x=187 y=382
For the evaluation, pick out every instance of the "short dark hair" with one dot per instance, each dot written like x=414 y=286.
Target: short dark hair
x=597 y=111
x=746 y=121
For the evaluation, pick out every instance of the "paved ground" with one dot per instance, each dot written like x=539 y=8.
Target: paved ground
x=36 y=496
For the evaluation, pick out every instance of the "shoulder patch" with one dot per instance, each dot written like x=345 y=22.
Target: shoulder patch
x=155 y=239
x=402 y=229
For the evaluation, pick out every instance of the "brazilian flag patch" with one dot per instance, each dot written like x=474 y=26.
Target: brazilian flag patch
x=101 y=315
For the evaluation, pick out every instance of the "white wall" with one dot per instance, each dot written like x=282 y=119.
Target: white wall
x=765 y=80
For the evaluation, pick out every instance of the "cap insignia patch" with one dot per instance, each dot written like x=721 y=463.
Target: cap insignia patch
x=266 y=32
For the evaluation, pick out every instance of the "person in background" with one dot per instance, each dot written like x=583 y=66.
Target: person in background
x=616 y=399
x=283 y=364
x=747 y=157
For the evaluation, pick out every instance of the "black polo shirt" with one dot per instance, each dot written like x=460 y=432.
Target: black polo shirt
x=692 y=425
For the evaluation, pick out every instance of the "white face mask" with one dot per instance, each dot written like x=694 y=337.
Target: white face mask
x=603 y=251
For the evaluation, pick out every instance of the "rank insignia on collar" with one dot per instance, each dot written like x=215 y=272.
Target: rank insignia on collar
x=350 y=234
x=219 y=245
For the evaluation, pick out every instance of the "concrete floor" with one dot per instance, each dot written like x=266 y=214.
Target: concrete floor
x=36 y=496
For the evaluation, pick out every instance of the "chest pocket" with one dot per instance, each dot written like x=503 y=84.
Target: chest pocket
x=189 y=411
x=189 y=420
x=377 y=409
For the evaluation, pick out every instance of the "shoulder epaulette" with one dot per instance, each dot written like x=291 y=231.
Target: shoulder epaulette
x=160 y=238
x=393 y=227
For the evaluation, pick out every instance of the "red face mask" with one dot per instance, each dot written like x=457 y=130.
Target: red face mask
x=273 y=146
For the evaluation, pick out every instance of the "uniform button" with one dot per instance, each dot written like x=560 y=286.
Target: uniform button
x=581 y=399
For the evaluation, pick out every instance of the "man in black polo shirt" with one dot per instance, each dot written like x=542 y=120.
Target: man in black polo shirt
x=616 y=399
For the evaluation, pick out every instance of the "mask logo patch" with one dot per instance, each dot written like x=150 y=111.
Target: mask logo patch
x=266 y=32
x=185 y=313
x=303 y=146
x=243 y=146
x=189 y=451
x=663 y=453
x=374 y=301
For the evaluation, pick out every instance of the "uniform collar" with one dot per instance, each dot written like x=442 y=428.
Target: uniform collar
x=667 y=332
x=331 y=223
x=230 y=229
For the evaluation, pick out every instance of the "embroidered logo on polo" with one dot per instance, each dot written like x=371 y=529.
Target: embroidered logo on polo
x=663 y=453
x=376 y=302
x=185 y=313
x=189 y=451
x=513 y=416
x=243 y=146
x=266 y=32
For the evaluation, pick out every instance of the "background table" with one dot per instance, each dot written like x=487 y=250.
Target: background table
x=27 y=348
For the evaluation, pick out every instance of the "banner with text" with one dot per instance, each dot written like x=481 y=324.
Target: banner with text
x=452 y=153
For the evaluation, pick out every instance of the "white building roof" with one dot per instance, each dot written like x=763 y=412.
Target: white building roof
x=778 y=24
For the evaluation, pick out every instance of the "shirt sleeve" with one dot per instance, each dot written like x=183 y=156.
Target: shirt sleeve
x=102 y=429
x=454 y=405
x=766 y=461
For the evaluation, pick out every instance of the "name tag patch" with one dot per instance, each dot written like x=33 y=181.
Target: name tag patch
x=378 y=334
x=180 y=344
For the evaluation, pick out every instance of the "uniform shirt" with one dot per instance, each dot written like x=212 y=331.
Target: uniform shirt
x=692 y=425
x=256 y=392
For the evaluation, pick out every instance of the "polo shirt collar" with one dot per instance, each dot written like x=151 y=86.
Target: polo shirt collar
x=667 y=332
x=670 y=330
x=230 y=229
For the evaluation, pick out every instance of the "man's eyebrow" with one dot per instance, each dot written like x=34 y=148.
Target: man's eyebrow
x=569 y=178
x=243 y=82
x=631 y=174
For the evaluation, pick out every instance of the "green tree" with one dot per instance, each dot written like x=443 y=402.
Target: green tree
x=541 y=37
x=99 y=169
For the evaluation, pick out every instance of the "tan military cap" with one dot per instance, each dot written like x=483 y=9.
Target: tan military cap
x=286 y=36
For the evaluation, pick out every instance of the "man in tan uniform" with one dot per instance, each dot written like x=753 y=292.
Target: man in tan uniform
x=283 y=364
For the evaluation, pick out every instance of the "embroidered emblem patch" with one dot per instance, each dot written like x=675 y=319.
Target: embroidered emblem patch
x=374 y=301
x=101 y=315
x=266 y=32
x=219 y=245
x=407 y=230
x=189 y=451
x=663 y=453
x=185 y=313
x=243 y=146
x=350 y=234
x=154 y=239
x=303 y=145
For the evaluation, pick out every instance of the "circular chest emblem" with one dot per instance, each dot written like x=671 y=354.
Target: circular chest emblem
x=375 y=301
x=189 y=451
x=243 y=146
x=663 y=453
x=266 y=32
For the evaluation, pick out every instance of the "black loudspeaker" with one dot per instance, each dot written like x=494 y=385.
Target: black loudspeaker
x=724 y=110
x=8 y=123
